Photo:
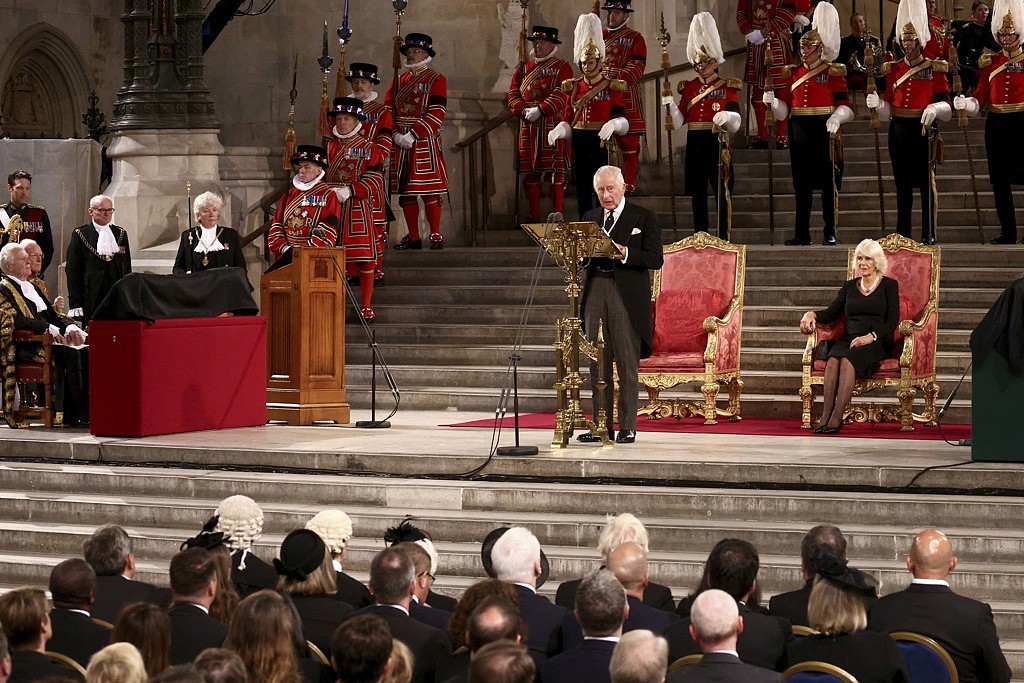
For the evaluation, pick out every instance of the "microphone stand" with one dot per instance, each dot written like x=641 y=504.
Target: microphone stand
x=949 y=399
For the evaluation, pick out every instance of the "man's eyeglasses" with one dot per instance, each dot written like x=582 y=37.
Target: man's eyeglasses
x=103 y=211
x=432 y=577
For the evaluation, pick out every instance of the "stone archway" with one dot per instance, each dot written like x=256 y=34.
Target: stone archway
x=44 y=88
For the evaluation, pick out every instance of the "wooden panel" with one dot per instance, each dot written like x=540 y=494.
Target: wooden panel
x=322 y=315
x=280 y=362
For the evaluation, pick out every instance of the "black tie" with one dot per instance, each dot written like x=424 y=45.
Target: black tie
x=609 y=222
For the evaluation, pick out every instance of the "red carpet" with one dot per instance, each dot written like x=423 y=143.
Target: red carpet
x=747 y=426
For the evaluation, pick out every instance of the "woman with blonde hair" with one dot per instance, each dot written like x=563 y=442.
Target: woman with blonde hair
x=871 y=304
x=262 y=635
x=208 y=244
x=399 y=664
x=148 y=628
x=116 y=663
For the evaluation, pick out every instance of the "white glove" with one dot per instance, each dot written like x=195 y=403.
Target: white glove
x=667 y=100
x=832 y=125
x=76 y=312
x=728 y=120
x=720 y=119
x=967 y=104
x=960 y=103
x=677 y=116
x=768 y=98
x=928 y=115
x=799 y=21
x=936 y=110
x=617 y=126
x=562 y=131
x=755 y=37
x=531 y=113
x=404 y=140
x=343 y=193
x=871 y=100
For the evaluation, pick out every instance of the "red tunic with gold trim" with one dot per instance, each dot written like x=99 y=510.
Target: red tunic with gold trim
x=626 y=60
x=422 y=103
x=909 y=89
x=699 y=108
x=357 y=162
x=590 y=112
x=1001 y=89
x=1001 y=84
x=537 y=85
x=938 y=44
x=380 y=126
x=772 y=18
x=298 y=213
x=816 y=90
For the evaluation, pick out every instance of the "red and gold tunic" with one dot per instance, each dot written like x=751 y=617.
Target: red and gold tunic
x=35 y=225
x=298 y=213
x=626 y=60
x=1001 y=84
x=536 y=85
x=815 y=90
x=938 y=44
x=422 y=102
x=910 y=88
x=357 y=162
x=593 y=104
x=772 y=18
x=700 y=100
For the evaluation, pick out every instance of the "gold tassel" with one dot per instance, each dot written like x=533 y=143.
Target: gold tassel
x=341 y=85
x=323 y=127
x=289 y=147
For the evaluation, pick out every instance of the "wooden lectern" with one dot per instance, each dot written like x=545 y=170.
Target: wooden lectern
x=304 y=303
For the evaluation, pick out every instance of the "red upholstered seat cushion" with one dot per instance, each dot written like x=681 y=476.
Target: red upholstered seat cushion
x=29 y=372
x=679 y=319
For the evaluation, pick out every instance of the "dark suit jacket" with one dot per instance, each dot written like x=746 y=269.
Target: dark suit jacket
x=762 y=643
x=90 y=277
x=353 y=592
x=321 y=615
x=192 y=631
x=641 y=616
x=544 y=621
x=721 y=667
x=632 y=279
x=256 y=576
x=655 y=595
x=28 y=666
x=870 y=657
x=76 y=635
x=189 y=260
x=585 y=663
x=443 y=601
x=428 y=645
x=114 y=592
x=435 y=617
x=961 y=625
x=793 y=605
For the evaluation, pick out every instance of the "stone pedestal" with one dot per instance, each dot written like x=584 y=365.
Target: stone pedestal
x=151 y=168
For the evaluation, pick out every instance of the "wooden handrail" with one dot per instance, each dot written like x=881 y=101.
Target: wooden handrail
x=266 y=203
x=490 y=124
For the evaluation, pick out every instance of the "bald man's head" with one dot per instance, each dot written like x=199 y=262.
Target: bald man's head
x=629 y=564
x=931 y=555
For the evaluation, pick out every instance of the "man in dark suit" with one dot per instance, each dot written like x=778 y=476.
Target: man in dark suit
x=503 y=662
x=715 y=626
x=601 y=610
x=419 y=609
x=515 y=559
x=732 y=567
x=360 y=649
x=98 y=256
x=617 y=294
x=492 y=620
x=109 y=552
x=194 y=585
x=75 y=634
x=964 y=627
x=26 y=626
x=793 y=605
x=639 y=657
x=392 y=582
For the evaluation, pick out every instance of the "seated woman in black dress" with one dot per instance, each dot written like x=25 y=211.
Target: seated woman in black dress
x=871 y=304
x=208 y=245
x=836 y=610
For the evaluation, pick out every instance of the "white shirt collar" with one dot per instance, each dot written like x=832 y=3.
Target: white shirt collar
x=29 y=291
x=610 y=639
x=106 y=244
x=931 y=582
x=398 y=607
x=551 y=54
x=525 y=585
x=346 y=136
x=616 y=212
x=307 y=186
x=197 y=605
x=734 y=653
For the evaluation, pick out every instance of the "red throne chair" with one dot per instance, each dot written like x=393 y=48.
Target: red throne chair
x=912 y=365
x=698 y=316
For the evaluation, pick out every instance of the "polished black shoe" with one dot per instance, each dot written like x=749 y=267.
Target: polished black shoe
x=929 y=241
x=1002 y=239
x=819 y=429
x=626 y=436
x=831 y=430
x=436 y=243
x=587 y=437
x=782 y=145
x=759 y=144
x=408 y=243
x=829 y=241
x=797 y=242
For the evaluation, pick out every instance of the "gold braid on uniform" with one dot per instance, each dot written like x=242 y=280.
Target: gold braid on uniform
x=8 y=352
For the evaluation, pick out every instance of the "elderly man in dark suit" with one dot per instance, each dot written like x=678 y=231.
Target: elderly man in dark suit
x=964 y=627
x=98 y=256
x=617 y=296
x=639 y=657
x=716 y=625
x=392 y=582
x=194 y=585
x=109 y=552
x=601 y=610
x=75 y=634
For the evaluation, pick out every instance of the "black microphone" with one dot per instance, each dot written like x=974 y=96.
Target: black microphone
x=555 y=217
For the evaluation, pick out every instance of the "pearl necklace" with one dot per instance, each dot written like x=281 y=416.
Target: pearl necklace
x=867 y=290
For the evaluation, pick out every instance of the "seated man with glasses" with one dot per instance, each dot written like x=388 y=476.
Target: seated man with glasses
x=98 y=256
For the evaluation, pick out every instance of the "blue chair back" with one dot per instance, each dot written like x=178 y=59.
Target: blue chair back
x=926 y=660
x=813 y=677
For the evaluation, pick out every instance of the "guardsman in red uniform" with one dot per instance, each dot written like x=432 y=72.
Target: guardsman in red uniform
x=1000 y=89
x=938 y=45
x=596 y=111
x=708 y=103
x=356 y=172
x=916 y=94
x=535 y=97
x=32 y=221
x=308 y=214
x=418 y=168
x=625 y=59
x=765 y=23
x=814 y=96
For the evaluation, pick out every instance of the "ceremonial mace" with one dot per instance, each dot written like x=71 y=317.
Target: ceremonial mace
x=961 y=120
x=664 y=37
x=871 y=70
x=325 y=61
x=769 y=125
x=289 y=135
x=396 y=64
x=344 y=35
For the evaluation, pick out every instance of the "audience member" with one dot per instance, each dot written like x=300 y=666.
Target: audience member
x=617 y=530
x=732 y=567
x=361 y=649
x=837 y=613
x=148 y=628
x=487 y=545
x=629 y=564
x=262 y=635
x=193 y=585
x=26 y=625
x=715 y=625
x=241 y=519
x=392 y=579
x=109 y=552
x=227 y=598
x=335 y=528
x=495 y=618
x=503 y=662
x=457 y=666
x=182 y=673
x=116 y=663
x=399 y=664
x=639 y=657
x=217 y=665
x=5 y=659
x=407 y=533
x=75 y=634
x=308 y=577
x=601 y=609
x=418 y=607
x=964 y=627
x=823 y=538
x=515 y=558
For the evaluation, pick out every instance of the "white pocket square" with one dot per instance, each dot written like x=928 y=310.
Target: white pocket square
x=636 y=231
